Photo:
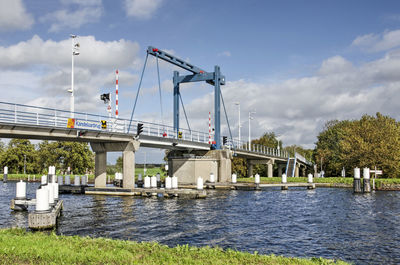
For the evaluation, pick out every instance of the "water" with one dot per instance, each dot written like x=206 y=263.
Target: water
x=329 y=223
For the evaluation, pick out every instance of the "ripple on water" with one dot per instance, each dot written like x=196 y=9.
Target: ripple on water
x=331 y=223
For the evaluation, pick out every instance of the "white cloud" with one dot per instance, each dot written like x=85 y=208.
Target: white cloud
x=378 y=42
x=94 y=54
x=296 y=109
x=142 y=9
x=39 y=71
x=13 y=16
x=74 y=14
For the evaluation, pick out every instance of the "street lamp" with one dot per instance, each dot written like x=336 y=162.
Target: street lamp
x=238 y=103
x=250 y=118
x=75 y=51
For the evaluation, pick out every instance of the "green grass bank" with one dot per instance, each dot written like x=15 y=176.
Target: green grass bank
x=380 y=183
x=20 y=247
x=150 y=172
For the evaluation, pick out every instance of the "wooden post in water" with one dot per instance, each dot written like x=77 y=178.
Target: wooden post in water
x=366 y=180
x=357 y=181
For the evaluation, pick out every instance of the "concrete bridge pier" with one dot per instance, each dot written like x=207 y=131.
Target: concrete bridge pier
x=128 y=150
x=188 y=166
x=268 y=162
x=280 y=169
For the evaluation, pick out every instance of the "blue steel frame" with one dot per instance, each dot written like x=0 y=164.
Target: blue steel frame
x=214 y=78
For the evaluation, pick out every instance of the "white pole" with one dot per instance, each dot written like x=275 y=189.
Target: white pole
x=75 y=51
x=249 y=129
x=238 y=103
x=72 y=105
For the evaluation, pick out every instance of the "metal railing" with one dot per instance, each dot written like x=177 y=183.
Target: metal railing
x=55 y=118
x=39 y=116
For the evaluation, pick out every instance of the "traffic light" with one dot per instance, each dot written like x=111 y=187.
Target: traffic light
x=180 y=135
x=139 y=129
x=224 y=140
x=105 y=97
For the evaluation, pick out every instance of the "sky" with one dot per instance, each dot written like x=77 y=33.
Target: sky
x=296 y=64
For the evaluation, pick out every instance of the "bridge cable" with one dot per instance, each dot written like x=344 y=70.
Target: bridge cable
x=159 y=89
x=184 y=111
x=226 y=116
x=137 y=93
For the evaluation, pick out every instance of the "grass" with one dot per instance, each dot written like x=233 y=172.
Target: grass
x=20 y=247
x=333 y=180
x=150 y=172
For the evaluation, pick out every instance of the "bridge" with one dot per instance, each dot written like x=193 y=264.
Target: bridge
x=191 y=153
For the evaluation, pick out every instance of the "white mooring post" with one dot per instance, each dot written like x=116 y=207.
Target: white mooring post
x=234 y=178
x=168 y=182
x=5 y=176
x=366 y=180
x=174 y=182
x=153 y=182
x=199 y=185
x=147 y=182
x=212 y=178
x=357 y=181
x=60 y=180
x=77 y=180
x=257 y=181
x=21 y=191
x=284 y=181
x=44 y=180
x=55 y=192
x=67 y=180
x=49 y=187
x=42 y=200
x=310 y=178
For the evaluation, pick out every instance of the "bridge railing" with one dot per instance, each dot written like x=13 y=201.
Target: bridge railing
x=257 y=148
x=40 y=116
x=302 y=159
x=55 y=118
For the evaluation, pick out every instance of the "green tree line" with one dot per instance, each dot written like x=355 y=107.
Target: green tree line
x=268 y=139
x=20 y=154
x=368 y=142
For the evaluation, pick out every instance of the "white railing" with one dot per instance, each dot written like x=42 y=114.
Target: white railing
x=39 y=116
x=302 y=159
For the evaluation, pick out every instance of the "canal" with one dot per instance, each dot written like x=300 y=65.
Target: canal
x=326 y=222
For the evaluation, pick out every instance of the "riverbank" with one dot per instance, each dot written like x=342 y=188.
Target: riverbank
x=37 y=177
x=20 y=247
x=381 y=184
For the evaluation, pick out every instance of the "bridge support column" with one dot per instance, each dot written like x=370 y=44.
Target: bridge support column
x=270 y=169
x=303 y=172
x=128 y=149
x=249 y=169
x=280 y=167
x=100 y=169
x=296 y=171
x=128 y=157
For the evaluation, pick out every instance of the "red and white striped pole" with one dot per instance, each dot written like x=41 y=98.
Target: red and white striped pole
x=116 y=94
x=209 y=127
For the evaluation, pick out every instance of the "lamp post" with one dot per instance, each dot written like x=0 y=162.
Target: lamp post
x=75 y=51
x=250 y=118
x=238 y=104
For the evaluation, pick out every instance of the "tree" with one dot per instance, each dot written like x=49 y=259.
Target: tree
x=368 y=142
x=75 y=155
x=372 y=141
x=14 y=156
